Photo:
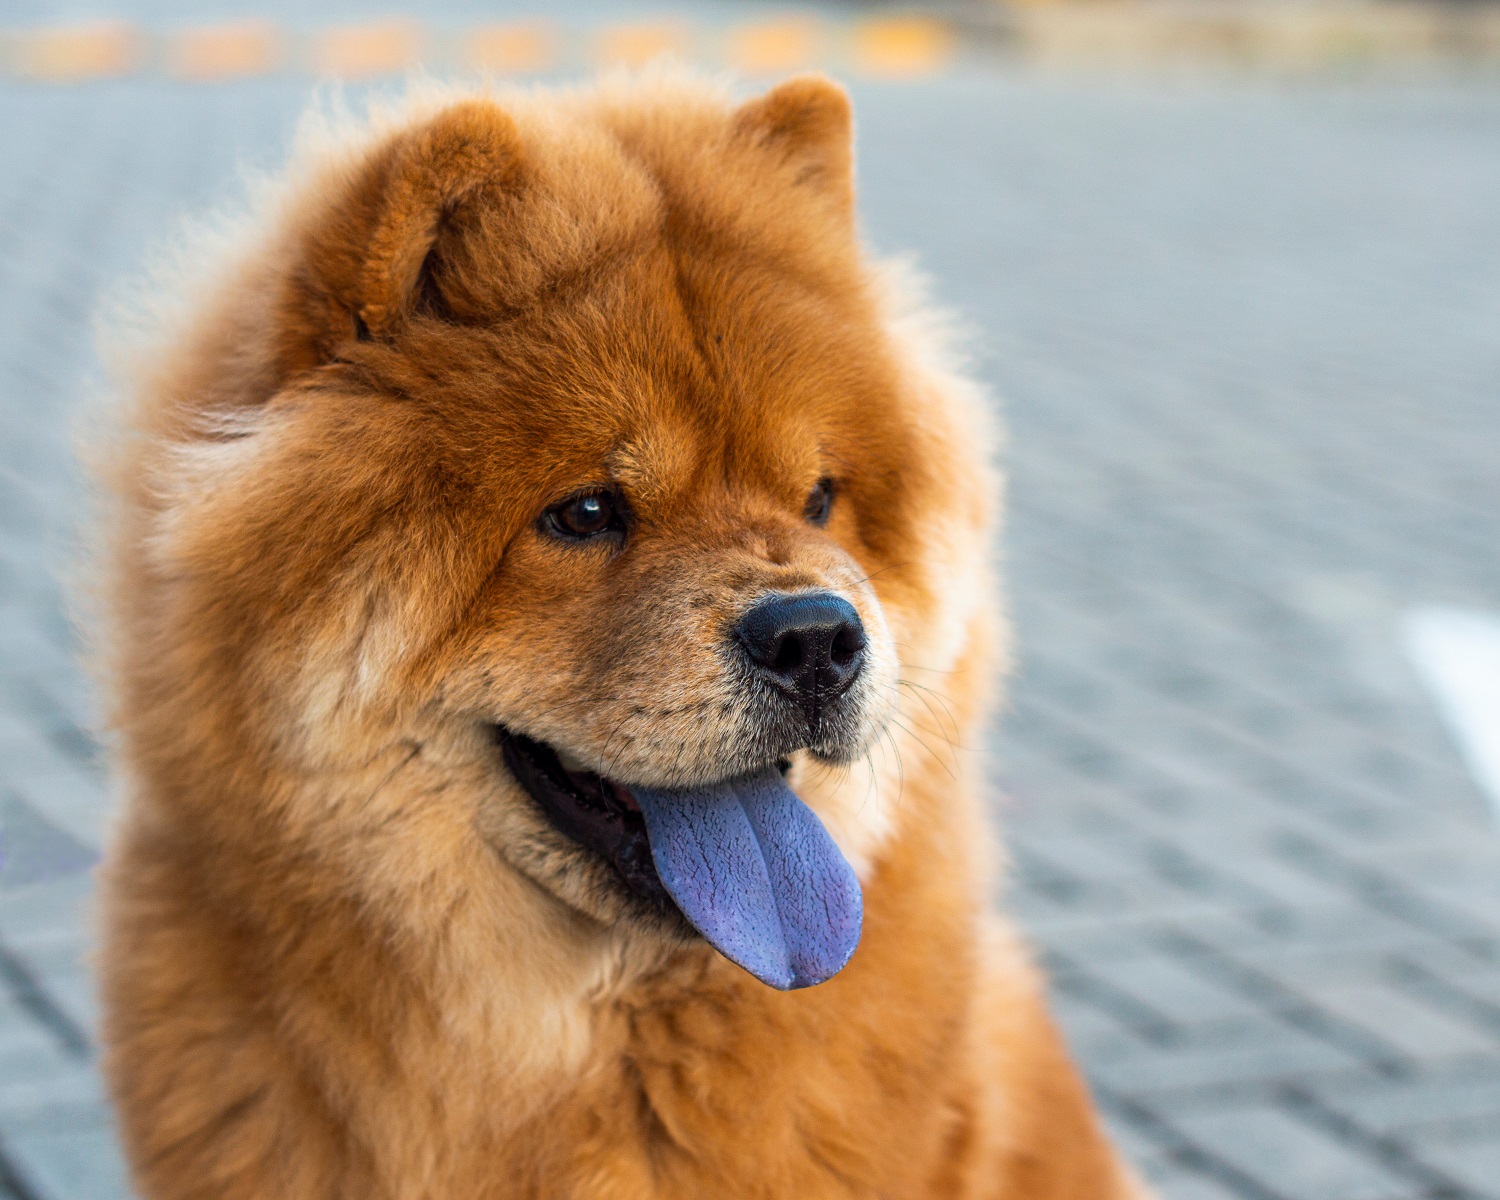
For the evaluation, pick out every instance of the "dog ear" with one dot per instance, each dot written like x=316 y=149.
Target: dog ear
x=809 y=122
x=399 y=240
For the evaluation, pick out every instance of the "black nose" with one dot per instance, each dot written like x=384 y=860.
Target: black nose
x=810 y=644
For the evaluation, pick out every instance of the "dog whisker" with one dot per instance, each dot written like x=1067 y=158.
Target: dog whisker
x=933 y=754
x=946 y=721
x=911 y=666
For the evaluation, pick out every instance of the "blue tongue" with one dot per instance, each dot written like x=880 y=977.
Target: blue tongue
x=756 y=873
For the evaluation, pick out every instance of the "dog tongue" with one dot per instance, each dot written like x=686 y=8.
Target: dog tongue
x=754 y=870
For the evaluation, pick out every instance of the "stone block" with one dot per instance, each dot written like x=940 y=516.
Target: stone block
x=69 y=1165
x=1287 y=1157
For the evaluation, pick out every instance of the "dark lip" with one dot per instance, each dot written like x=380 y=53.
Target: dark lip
x=597 y=814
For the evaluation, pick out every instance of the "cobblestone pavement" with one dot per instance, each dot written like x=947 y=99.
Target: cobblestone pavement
x=1249 y=340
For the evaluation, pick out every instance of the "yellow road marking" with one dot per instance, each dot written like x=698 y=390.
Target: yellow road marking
x=901 y=47
x=772 y=46
x=101 y=50
x=235 y=51
x=512 y=49
x=364 y=51
x=636 y=45
x=895 y=47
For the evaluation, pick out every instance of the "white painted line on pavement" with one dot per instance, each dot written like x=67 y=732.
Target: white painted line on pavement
x=1457 y=654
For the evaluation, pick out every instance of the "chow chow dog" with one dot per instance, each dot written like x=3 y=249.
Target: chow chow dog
x=547 y=623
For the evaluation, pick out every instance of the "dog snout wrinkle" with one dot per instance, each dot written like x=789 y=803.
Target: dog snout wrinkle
x=809 y=644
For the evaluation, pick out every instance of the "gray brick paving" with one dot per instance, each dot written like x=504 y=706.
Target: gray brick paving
x=1248 y=340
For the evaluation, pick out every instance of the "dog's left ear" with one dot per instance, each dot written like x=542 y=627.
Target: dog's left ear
x=809 y=123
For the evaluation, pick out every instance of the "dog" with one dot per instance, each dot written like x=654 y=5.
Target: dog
x=546 y=614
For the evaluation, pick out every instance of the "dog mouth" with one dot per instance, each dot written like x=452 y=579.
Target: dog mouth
x=742 y=860
x=598 y=814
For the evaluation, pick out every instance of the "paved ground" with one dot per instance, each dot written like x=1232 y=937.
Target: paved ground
x=1249 y=340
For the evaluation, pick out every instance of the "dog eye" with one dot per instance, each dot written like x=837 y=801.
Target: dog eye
x=819 y=502
x=586 y=516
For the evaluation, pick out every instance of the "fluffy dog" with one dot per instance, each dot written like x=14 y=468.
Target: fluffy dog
x=547 y=572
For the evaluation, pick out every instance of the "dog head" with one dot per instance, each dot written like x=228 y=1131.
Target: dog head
x=576 y=457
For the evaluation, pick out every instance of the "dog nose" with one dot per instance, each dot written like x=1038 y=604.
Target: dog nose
x=811 y=644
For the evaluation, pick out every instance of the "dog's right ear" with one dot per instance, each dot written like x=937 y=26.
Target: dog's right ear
x=403 y=237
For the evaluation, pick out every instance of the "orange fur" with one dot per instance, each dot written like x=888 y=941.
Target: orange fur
x=343 y=957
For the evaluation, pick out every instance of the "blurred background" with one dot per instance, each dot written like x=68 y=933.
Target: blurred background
x=1232 y=269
